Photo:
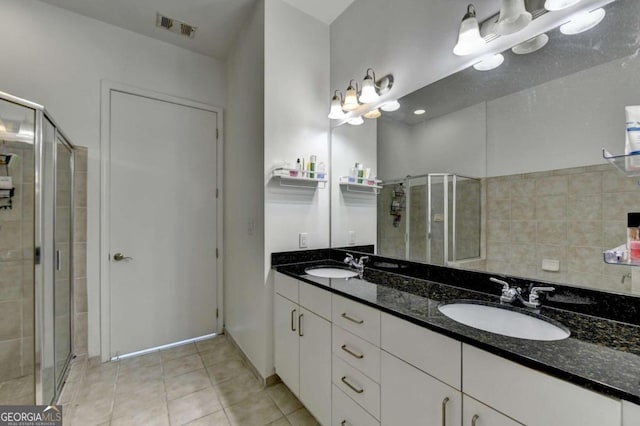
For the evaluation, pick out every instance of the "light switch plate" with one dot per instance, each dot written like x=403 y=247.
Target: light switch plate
x=551 y=265
x=303 y=240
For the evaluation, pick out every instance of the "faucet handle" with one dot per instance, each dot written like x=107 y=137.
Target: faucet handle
x=349 y=258
x=363 y=259
x=505 y=285
x=534 y=293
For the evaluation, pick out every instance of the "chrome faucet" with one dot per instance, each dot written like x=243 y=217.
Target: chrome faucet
x=357 y=264
x=511 y=294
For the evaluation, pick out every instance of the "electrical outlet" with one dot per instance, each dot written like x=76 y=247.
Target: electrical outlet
x=551 y=265
x=303 y=240
x=352 y=237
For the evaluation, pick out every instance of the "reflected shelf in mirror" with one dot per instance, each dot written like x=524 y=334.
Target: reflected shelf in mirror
x=300 y=178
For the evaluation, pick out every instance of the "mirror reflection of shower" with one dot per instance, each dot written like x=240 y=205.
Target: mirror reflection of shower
x=432 y=218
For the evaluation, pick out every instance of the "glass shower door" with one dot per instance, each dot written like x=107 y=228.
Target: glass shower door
x=63 y=268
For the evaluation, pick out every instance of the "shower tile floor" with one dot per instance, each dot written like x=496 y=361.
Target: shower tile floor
x=203 y=383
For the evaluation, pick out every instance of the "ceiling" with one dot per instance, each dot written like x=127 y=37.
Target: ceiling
x=218 y=21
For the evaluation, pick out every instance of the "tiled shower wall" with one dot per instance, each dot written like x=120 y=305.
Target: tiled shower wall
x=570 y=215
x=16 y=268
x=80 y=252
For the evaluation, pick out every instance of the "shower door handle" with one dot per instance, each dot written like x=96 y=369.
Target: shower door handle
x=119 y=257
x=57 y=260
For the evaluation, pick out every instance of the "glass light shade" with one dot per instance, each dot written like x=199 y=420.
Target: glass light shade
x=583 y=22
x=390 y=106
x=368 y=94
x=373 y=114
x=490 y=63
x=469 y=39
x=513 y=17
x=356 y=121
x=559 y=4
x=350 y=99
x=336 y=112
x=531 y=45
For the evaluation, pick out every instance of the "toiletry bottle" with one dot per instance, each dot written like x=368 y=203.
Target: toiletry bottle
x=633 y=236
x=298 y=168
x=312 y=166
x=360 y=172
x=353 y=174
x=321 y=171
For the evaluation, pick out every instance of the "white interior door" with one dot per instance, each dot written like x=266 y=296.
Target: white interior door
x=162 y=214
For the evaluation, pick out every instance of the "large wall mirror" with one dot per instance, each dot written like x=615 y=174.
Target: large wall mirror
x=504 y=171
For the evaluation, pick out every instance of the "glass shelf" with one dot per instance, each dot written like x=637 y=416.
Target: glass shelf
x=629 y=164
x=300 y=178
x=367 y=185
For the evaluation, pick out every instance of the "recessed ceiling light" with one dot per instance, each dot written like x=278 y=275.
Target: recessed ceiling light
x=583 y=22
x=489 y=63
x=531 y=45
x=419 y=111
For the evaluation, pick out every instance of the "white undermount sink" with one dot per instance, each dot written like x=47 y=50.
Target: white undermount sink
x=503 y=321
x=331 y=272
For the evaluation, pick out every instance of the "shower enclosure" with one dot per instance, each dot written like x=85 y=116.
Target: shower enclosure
x=36 y=253
x=433 y=218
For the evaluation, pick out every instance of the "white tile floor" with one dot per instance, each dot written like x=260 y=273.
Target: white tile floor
x=206 y=383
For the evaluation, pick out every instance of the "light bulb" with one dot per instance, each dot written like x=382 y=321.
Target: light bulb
x=373 y=114
x=559 y=4
x=356 y=121
x=583 y=22
x=469 y=39
x=393 y=105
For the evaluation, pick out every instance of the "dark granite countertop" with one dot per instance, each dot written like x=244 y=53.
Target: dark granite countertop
x=601 y=354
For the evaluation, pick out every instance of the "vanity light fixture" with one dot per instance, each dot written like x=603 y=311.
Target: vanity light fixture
x=390 y=106
x=469 y=39
x=531 y=45
x=351 y=97
x=513 y=17
x=419 y=111
x=374 y=113
x=356 y=121
x=583 y=22
x=336 y=112
x=490 y=63
x=553 y=5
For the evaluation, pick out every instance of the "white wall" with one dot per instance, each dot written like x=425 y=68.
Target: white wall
x=353 y=211
x=57 y=58
x=296 y=75
x=245 y=293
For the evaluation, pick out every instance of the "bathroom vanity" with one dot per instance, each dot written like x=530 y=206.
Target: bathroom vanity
x=376 y=350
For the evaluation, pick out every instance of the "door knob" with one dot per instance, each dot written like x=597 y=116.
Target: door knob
x=118 y=257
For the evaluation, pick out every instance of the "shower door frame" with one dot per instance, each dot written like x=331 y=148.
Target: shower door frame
x=39 y=273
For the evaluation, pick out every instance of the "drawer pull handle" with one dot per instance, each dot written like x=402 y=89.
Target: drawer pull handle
x=293 y=323
x=357 y=321
x=474 y=420
x=343 y=423
x=350 y=352
x=353 y=388
x=300 y=325
x=444 y=411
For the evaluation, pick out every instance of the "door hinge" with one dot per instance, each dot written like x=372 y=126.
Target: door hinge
x=217 y=253
x=217 y=134
x=217 y=192
x=217 y=312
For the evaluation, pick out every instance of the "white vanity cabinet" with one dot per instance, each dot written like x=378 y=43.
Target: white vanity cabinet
x=475 y=413
x=630 y=414
x=531 y=397
x=302 y=343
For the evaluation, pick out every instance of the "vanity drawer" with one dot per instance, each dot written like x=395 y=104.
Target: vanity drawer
x=286 y=286
x=433 y=353
x=357 y=352
x=357 y=386
x=345 y=412
x=357 y=318
x=316 y=300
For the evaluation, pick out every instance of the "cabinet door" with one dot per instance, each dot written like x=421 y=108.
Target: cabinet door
x=477 y=414
x=630 y=414
x=411 y=397
x=287 y=355
x=315 y=365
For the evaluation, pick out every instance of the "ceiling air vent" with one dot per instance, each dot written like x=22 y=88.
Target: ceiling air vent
x=175 y=26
